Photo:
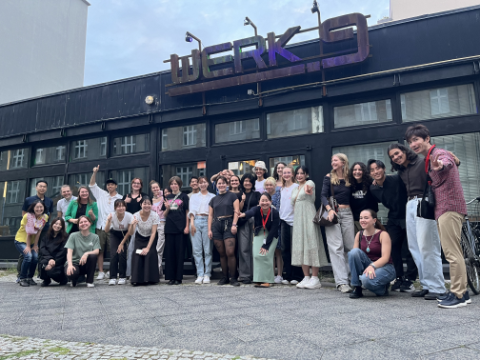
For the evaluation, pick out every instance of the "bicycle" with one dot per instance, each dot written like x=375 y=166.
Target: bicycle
x=470 y=241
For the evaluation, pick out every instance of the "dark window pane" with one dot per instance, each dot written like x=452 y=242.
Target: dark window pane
x=91 y=149
x=12 y=196
x=49 y=155
x=295 y=122
x=13 y=159
x=124 y=179
x=237 y=131
x=183 y=137
x=130 y=144
x=362 y=114
x=184 y=171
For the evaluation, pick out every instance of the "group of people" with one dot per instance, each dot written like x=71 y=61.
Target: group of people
x=262 y=227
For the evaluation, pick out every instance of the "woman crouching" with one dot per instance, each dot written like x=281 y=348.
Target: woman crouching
x=370 y=262
x=82 y=252
x=267 y=223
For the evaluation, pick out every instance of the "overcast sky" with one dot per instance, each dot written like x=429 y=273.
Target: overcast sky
x=128 y=38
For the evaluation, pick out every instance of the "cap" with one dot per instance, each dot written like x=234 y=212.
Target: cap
x=261 y=165
x=110 y=181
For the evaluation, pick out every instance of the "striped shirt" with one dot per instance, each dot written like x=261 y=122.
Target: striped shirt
x=446 y=185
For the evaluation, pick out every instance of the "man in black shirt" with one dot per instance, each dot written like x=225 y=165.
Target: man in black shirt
x=391 y=192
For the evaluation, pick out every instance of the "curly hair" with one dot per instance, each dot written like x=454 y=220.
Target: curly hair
x=411 y=156
x=366 y=179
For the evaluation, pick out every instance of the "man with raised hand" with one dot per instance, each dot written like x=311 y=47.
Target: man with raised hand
x=450 y=210
x=105 y=201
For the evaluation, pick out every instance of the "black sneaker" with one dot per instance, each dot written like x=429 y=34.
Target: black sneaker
x=171 y=282
x=45 y=283
x=397 y=284
x=407 y=286
x=433 y=296
x=444 y=296
x=419 y=293
x=31 y=282
x=24 y=283
x=73 y=283
x=356 y=293
x=223 y=281
x=81 y=279
x=452 y=302
x=247 y=281
x=234 y=282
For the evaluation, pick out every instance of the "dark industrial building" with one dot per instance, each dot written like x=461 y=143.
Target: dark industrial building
x=424 y=69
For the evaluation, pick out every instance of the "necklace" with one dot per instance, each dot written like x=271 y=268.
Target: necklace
x=369 y=241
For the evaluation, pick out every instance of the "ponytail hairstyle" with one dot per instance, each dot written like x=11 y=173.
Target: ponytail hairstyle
x=378 y=224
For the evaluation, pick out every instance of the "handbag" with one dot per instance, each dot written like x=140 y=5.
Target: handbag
x=321 y=217
x=426 y=207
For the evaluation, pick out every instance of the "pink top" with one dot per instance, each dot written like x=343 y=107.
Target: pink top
x=34 y=224
x=446 y=185
x=157 y=207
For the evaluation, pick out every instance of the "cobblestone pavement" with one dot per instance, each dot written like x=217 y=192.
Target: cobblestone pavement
x=14 y=347
x=281 y=322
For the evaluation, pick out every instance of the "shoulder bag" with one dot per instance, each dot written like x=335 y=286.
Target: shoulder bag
x=321 y=217
x=426 y=207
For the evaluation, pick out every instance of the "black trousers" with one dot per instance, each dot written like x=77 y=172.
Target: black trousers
x=56 y=273
x=398 y=235
x=289 y=272
x=118 y=262
x=174 y=256
x=88 y=269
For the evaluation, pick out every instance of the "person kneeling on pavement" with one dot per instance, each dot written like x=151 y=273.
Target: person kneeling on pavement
x=82 y=252
x=54 y=254
x=370 y=262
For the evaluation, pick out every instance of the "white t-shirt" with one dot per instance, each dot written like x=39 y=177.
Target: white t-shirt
x=144 y=228
x=259 y=186
x=121 y=225
x=62 y=205
x=286 y=208
x=199 y=203
x=105 y=204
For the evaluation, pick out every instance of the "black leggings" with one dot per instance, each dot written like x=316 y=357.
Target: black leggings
x=228 y=261
x=87 y=269
x=56 y=273
x=174 y=256
x=118 y=262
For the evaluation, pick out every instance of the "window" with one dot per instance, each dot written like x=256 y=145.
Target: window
x=363 y=153
x=237 y=131
x=130 y=144
x=294 y=160
x=363 y=114
x=183 y=137
x=49 y=155
x=76 y=180
x=296 y=122
x=18 y=158
x=242 y=167
x=437 y=103
x=91 y=149
x=184 y=172
x=12 y=195
x=124 y=178
x=54 y=185
x=13 y=159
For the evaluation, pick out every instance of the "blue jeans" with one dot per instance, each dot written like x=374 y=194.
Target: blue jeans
x=201 y=242
x=358 y=262
x=30 y=261
x=424 y=245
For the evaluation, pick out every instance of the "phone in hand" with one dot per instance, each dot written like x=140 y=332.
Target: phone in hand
x=138 y=251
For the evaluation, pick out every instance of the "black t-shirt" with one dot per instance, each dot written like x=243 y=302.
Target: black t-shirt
x=251 y=200
x=362 y=200
x=176 y=220
x=81 y=210
x=134 y=205
x=222 y=204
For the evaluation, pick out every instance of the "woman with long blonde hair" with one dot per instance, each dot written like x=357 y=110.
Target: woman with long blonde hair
x=341 y=236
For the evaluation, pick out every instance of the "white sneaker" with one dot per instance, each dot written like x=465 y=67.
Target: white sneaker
x=121 y=281
x=314 y=283
x=285 y=282
x=112 y=282
x=90 y=285
x=199 y=280
x=293 y=282
x=278 y=279
x=206 y=279
x=107 y=274
x=101 y=275
x=301 y=284
x=344 y=288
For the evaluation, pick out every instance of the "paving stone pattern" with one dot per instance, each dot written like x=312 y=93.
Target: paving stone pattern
x=281 y=322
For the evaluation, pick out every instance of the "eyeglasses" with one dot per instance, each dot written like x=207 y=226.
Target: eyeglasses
x=136 y=183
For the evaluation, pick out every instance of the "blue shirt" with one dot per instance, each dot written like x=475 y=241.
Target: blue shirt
x=46 y=201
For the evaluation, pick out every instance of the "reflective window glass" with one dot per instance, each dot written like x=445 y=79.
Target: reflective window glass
x=362 y=114
x=242 y=167
x=49 y=155
x=184 y=171
x=237 y=131
x=12 y=196
x=124 y=179
x=13 y=159
x=130 y=144
x=294 y=160
x=183 y=137
x=295 y=122
x=90 y=149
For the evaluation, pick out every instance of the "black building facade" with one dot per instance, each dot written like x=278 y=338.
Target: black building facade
x=424 y=70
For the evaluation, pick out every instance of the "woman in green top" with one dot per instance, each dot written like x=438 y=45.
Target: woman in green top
x=82 y=252
x=82 y=206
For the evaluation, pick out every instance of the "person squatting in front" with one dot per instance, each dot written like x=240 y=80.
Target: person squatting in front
x=54 y=254
x=267 y=225
x=222 y=227
x=370 y=262
x=82 y=252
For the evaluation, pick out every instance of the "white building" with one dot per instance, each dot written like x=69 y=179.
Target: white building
x=404 y=9
x=42 y=46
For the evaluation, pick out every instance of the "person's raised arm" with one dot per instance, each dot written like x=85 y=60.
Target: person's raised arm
x=108 y=223
x=94 y=175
